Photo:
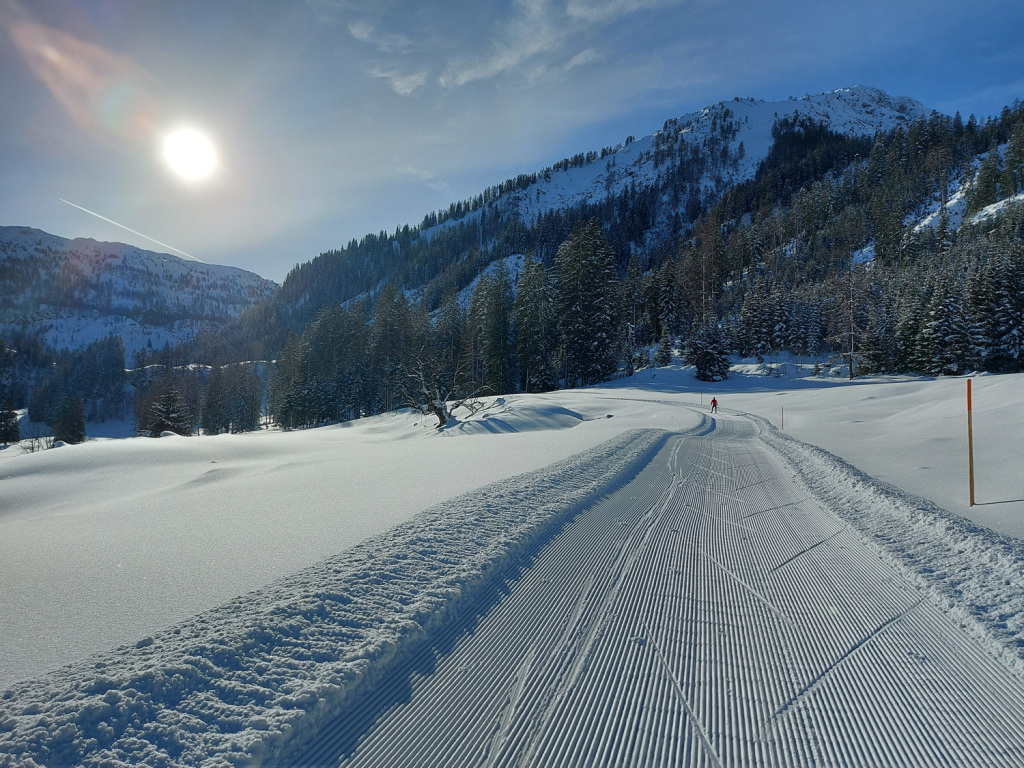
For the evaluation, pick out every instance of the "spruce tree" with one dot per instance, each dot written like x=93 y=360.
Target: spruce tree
x=1008 y=308
x=69 y=423
x=215 y=417
x=663 y=355
x=168 y=414
x=9 y=429
x=535 y=328
x=447 y=337
x=944 y=342
x=490 y=312
x=707 y=351
x=1013 y=173
x=587 y=286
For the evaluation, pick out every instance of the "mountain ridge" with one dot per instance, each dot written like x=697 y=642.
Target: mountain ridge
x=71 y=292
x=856 y=111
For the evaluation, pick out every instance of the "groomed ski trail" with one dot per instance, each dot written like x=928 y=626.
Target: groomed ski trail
x=706 y=614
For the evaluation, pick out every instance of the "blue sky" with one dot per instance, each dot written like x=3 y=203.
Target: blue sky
x=336 y=118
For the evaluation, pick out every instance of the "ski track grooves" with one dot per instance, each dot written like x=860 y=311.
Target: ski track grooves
x=707 y=614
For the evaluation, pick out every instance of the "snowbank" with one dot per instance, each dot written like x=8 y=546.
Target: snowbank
x=971 y=572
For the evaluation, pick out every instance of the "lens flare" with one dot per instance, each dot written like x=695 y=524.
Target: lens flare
x=107 y=95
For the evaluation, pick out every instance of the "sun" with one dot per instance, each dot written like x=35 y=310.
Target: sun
x=190 y=154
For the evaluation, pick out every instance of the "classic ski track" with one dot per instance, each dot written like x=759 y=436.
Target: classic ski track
x=704 y=615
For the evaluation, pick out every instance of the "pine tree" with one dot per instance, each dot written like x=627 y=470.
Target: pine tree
x=756 y=322
x=448 y=336
x=1008 y=308
x=587 y=287
x=668 y=295
x=289 y=385
x=910 y=318
x=69 y=423
x=878 y=343
x=215 y=416
x=9 y=429
x=397 y=335
x=663 y=355
x=535 y=328
x=944 y=342
x=491 y=323
x=980 y=310
x=632 y=314
x=168 y=413
x=985 y=189
x=708 y=352
x=1013 y=173
x=244 y=398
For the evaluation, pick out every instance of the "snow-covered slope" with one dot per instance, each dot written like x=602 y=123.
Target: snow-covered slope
x=72 y=292
x=956 y=204
x=718 y=129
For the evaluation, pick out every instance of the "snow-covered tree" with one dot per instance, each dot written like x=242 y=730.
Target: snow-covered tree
x=168 y=413
x=587 y=287
x=68 y=424
x=535 y=328
x=707 y=350
x=491 y=327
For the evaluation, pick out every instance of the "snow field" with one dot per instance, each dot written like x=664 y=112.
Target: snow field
x=707 y=614
x=109 y=541
x=241 y=684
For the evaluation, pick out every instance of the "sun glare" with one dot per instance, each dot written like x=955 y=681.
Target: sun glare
x=190 y=154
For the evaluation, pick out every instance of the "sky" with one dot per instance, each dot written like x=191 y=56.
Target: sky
x=332 y=119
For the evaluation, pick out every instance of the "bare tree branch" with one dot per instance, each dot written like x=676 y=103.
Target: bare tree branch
x=432 y=388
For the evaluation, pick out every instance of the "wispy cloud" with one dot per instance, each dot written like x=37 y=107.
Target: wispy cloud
x=402 y=84
x=387 y=42
x=535 y=28
x=604 y=11
x=582 y=58
x=426 y=177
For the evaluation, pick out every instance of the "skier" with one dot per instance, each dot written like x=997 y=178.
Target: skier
x=714 y=405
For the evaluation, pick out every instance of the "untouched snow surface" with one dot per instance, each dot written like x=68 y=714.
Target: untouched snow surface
x=166 y=664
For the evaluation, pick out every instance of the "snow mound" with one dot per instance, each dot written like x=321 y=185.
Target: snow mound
x=516 y=413
x=246 y=682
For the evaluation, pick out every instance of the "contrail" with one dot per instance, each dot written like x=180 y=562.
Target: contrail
x=122 y=226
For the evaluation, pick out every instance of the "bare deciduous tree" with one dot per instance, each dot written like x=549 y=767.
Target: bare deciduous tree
x=433 y=388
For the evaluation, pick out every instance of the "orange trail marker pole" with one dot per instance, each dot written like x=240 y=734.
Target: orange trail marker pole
x=970 y=442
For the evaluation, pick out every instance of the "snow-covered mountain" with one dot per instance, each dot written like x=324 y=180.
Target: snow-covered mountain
x=646 y=192
x=737 y=131
x=71 y=292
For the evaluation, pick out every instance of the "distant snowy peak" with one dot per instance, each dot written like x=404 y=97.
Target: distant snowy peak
x=856 y=111
x=715 y=147
x=70 y=292
x=103 y=261
x=863 y=110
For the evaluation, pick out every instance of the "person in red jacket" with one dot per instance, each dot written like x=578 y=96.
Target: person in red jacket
x=714 y=405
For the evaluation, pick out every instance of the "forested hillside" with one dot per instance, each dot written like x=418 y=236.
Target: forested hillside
x=898 y=253
x=899 y=250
